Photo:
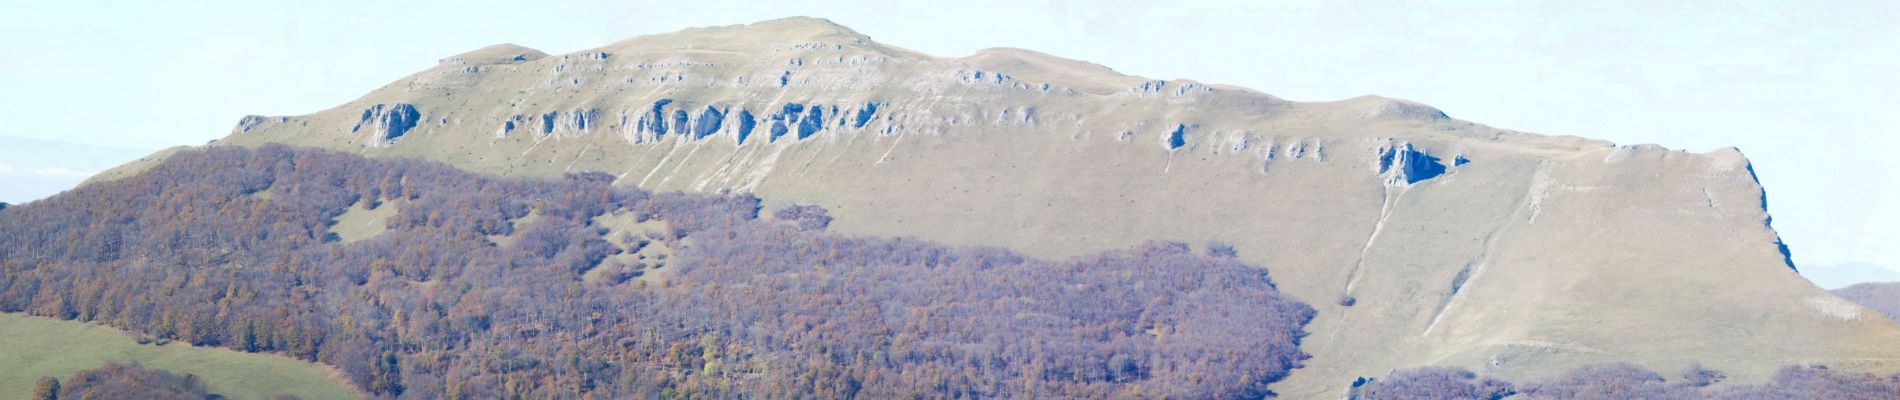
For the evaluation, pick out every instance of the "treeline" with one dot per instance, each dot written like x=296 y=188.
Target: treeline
x=231 y=247
x=125 y=381
x=1626 y=381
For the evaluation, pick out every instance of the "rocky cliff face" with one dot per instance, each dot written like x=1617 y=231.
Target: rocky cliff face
x=1423 y=239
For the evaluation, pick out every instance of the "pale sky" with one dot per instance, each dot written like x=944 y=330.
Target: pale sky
x=1805 y=90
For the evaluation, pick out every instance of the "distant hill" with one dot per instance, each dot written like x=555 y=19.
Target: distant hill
x=1836 y=276
x=1880 y=296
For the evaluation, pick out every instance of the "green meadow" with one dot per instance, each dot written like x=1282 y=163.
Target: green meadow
x=31 y=347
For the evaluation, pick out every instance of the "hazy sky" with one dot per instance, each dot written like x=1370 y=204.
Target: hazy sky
x=1807 y=91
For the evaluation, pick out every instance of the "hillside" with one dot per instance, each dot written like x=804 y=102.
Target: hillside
x=1421 y=239
x=483 y=287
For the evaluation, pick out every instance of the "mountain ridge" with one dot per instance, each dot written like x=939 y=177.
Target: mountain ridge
x=1422 y=239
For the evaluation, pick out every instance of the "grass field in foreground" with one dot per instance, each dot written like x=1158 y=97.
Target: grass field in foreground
x=31 y=347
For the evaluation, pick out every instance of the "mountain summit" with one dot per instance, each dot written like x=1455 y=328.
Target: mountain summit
x=1422 y=239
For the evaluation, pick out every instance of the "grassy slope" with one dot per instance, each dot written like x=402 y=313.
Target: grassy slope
x=362 y=223
x=31 y=347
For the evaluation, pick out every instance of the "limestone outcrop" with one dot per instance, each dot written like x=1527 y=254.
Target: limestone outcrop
x=384 y=123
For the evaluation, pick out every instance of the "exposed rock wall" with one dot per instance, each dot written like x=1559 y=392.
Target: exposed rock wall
x=384 y=123
x=1401 y=164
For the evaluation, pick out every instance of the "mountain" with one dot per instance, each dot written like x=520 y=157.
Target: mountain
x=1421 y=239
x=1880 y=296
